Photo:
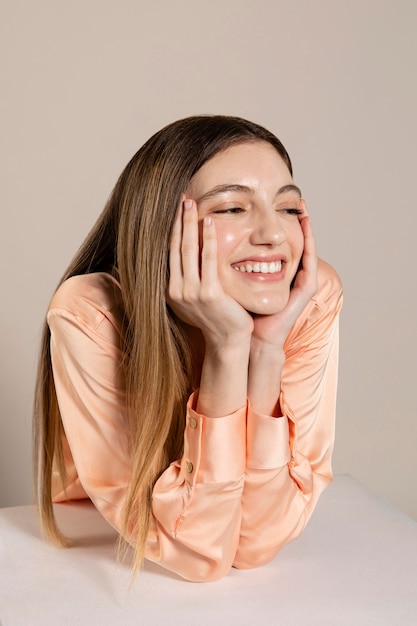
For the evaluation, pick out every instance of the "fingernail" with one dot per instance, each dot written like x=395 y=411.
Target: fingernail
x=207 y=220
x=188 y=204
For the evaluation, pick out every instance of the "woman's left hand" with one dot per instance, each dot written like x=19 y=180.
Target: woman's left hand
x=274 y=329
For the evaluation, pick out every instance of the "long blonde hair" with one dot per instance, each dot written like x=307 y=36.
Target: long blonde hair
x=133 y=235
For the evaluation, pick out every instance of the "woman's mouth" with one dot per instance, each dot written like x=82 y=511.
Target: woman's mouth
x=259 y=267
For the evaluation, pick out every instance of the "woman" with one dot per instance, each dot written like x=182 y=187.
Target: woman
x=188 y=375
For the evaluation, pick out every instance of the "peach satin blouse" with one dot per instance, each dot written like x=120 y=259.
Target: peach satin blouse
x=246 y=484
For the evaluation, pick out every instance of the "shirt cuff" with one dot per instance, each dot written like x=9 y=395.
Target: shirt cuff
x=214 y=447
x=268 y=445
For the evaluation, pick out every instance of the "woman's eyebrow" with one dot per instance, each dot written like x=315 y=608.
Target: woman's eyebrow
x=224 y=189
x=287 y=188
x=219 y=189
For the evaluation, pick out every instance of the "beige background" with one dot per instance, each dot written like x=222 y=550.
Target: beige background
x=86 y=82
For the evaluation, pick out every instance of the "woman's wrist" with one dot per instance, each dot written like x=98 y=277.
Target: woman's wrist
x=264 y=379
x=228 y=348
x=224 y=380
x=262 y=347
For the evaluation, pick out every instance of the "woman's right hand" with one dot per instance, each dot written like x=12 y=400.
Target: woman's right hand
x=194 y=291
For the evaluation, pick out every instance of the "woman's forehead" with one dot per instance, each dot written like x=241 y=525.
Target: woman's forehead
x=247 y=164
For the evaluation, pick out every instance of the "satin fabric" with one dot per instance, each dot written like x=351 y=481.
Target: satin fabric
x=246 y=484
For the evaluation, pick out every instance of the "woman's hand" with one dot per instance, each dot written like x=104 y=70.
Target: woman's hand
x=194 y=291
x=273 y=329
x=267 y=356
x=196 y=296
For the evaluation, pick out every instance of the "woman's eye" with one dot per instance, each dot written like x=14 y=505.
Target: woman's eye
x=229 y=211
x=291 y=211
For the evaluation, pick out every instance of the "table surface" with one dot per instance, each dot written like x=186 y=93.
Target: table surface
x=355 y=564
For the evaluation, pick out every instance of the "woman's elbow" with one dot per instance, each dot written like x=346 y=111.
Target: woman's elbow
x=249 y=559
x=206 y=570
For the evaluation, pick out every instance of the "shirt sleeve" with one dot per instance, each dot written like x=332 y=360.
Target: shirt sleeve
x=196 y=501
x=289 y=457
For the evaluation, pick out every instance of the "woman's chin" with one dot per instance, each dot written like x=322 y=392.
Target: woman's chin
x=268 y=307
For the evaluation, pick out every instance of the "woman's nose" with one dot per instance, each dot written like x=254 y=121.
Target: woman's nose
x=267 y=229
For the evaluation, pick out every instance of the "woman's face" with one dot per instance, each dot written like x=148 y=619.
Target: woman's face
x=248 y=191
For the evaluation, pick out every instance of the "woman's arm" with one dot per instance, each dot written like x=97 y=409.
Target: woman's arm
x=197 y=500
x=289 y=457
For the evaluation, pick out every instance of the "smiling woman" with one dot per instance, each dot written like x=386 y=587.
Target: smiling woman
x=187 y=379
x=255 y=212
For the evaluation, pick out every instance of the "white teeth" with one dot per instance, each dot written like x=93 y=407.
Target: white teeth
x=260 y=268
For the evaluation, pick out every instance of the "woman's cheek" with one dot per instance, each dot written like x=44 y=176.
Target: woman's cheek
x=226 y=233
x=227 y=239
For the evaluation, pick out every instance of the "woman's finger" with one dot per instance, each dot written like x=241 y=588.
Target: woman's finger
x=307 y=278
x=175 y=265
x=209 y=277
x=190 y=246
x=310 y=252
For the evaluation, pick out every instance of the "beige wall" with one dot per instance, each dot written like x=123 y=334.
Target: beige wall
x=86 y=82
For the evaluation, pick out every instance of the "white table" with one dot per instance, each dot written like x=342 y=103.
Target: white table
x=355 y=564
